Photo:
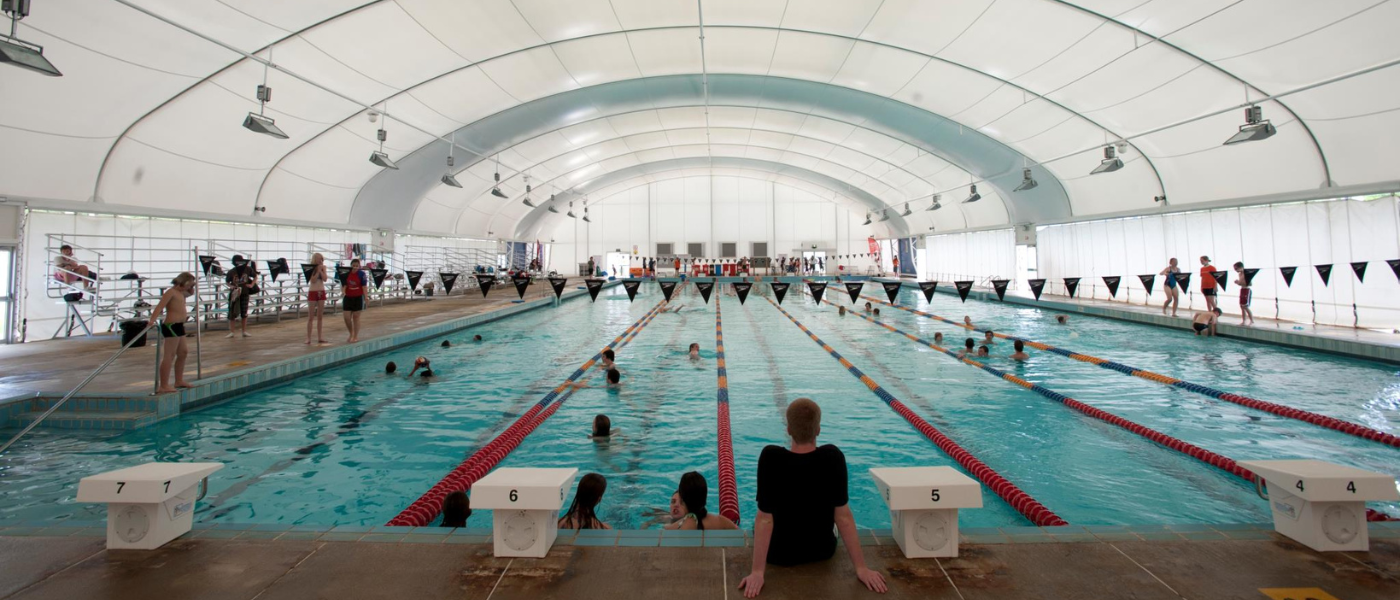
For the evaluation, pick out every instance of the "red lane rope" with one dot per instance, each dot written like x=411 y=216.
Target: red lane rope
x=1032 y=509
x=728 y=487
x=427 y=507
x=1346 y=427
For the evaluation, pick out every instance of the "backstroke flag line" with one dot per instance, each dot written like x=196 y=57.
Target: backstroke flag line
x=558 y=284
x=594 y=286
x=892 y=289
x=963 y=288
x=817 y=289
x=780 y=290
x=742 y=290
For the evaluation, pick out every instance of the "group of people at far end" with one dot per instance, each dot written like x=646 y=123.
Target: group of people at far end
x=1204 y=322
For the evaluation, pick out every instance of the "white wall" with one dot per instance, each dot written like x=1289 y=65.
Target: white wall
x=1295 y=234
x=710 y=210
x=972 y=256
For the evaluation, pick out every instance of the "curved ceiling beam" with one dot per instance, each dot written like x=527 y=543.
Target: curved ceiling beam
x=380 y=201
x=531 y=222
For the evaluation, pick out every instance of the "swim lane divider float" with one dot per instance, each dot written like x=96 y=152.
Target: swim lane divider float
x=1347 y=427
x=1029 y=507
x=728 y=487
x=427 y=507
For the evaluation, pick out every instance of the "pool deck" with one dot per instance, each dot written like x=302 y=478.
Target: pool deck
x=35 y=566
x=1346 y=341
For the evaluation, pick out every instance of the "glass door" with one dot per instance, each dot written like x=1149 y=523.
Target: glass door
x=815 y=262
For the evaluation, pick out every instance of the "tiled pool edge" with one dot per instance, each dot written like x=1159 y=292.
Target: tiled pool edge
x=683 y=539
x=227 y=386
x=1303 y=341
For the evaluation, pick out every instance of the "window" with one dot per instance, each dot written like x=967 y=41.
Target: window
x=665 y=249
x=760 y=249
x=7 y=266
x=695 y=249
x=728 y=250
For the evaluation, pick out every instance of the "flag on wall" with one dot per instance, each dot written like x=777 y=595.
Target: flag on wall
x=279 y=267
x=207 y=263
x=521 y=282
x=1037 y=285
x=378 y=276
x=1325 y=272
x=1357 y=267
x=928 y=288
x=341 y=273
x=450 y=279
x=1394 y=266
x=779 y=290
x=1000 y=286
x=1220 y=278
x=963 y=288
x=1112 y=283
x=306 y=269
x=1249 y=275
x=853 y=288
x=1071 y=284
x=817 y=289
x=1147 y=281
x=891 y=290
x=413 y=278
x=1287 y=273
x=1183 y=280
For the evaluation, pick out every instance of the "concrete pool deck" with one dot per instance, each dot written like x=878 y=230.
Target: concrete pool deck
x=274 y=565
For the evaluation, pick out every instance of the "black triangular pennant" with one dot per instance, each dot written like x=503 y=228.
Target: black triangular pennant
x=1360 y=269
x=413 y=278
x=892 y=289
x=1000 y=286
x=558 y=284
x=1112 y=283
x=741 y=289
x=705 y=287
x=1220 y=278
x=816 y=289
x=667 y=288
x=206 y=263
x=277 y=267
x=341 y=273
x=521 y=283
x=378 y=276
x=1325 y=272
x=963 y=288
x=1394 y=266
x=631 y=286
x=450 y=279
x=928 y=288
x=594 y=286
x=1071 y=284
x=1037 y=285
x=306 y=269
x=853 y=288
x=779 y=290
x=1287 y=273
x=1147 y=281
x=1249 y=276
x=1183 y=280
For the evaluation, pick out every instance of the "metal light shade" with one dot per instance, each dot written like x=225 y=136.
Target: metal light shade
x=907 y=210
x=552 y=209
x=496 y=191
x=265 y=125
x=450 y=180
x=1027 y=182
x=528 y=203
x=382 y=159
x=571 y=211
x=884 y=216
x=973 y=196
x=1110 y=163
x=867 y=219
x=26 y=56
x=935 y=205
x=585 y=216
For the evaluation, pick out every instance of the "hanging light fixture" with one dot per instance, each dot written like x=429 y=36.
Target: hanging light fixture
x=585 y=215
x=1255 y=127
x=496 y=189
x=259 y=123
x=22 y=54
x=884 y=215
x=447 y=177
x=867 y=219
x=935 y=205
x=1027 y=182
x=907 y=210
x=571 y=211
x=1110 y=162
x=527 y=201
x=973 y=196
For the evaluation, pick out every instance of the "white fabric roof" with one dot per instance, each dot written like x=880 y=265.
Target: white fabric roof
x=148 y=112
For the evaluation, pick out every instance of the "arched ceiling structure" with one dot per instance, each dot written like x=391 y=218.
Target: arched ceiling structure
x=889 y=101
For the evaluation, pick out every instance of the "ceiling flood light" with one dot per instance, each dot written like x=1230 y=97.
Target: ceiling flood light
x=496 y=189
x=1110 y=162
x=379 y=157
x=867 y=219
x=884 y=215
x=447 y=177
x=528 y=189
x=551 y=205
x=973 y=196
x=907 y=210
x=571 y=214
x=935 y=205
x=260 y=123
x=1255 y=127
x=1027 y=182
x=585 y=215
x=22 y=54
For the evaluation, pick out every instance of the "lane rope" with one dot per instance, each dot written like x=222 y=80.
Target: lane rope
x=1347 y=427
x=427 y=507
x=1029 y=507
x=728 y=486
x=1215 y=460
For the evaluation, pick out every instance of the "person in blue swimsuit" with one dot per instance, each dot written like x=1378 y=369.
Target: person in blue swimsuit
x=1173 y=294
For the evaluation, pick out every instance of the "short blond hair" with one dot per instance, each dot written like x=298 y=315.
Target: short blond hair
x=804 y=420
x=182 y=279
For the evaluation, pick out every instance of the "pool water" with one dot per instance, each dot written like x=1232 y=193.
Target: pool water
x=353 y=446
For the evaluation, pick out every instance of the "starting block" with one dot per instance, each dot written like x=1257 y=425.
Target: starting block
x=1320 y=504
x=148 y=505
x=924 y=503
x=525 y=504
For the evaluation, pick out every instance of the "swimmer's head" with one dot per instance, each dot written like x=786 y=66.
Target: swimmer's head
x=426 y=373
x=677 y=507
x=989 y=334
x=694 y=347
x=390 y=367
x=983 y=351
x=969 y=342
x=1216 y=311
x=476 y=338
x=614 y=376
x=446 y=344
x=867 y=306
x=1020 y=346
x=1062 y=319
x=938 y=337
x=609 y=355
x=877 y=312
x=841 y=310
x=420 y=362
x=602 y=426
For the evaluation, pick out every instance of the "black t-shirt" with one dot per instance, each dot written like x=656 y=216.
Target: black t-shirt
x=802 y=492
x=238 y=276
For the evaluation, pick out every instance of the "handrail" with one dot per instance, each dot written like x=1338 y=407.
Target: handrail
x=72 y=392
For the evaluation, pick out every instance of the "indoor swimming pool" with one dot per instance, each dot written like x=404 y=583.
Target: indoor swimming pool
x=354 y=446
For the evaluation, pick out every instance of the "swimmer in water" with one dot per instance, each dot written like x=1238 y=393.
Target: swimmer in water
x=609 y=360
x=446 y=344
x=990 y=338
x=476 y=338
x=420 y=363
x=1204 y=322
x=694 y=352
x=877 y=312
x=390 y=368
x=841 y=310
x=1062 y=319
x=982 y=351
x=967 y=320
x=602 y=429
x=938 y=338
x=867 y=307
x=968 y=344
x=1020 y=351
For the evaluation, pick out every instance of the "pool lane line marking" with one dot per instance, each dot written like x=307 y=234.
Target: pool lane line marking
x=1215 y=460
x=728 y=487
x=1320 y=420
x=1029 y=507
x=427 y=507
x=779 y=384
